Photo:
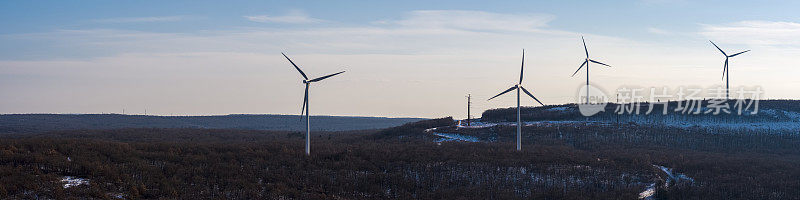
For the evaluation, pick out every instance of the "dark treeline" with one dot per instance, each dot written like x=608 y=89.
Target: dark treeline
x=768 y=111
x=591 y=161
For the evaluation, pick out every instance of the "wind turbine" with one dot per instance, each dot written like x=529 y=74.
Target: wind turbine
x=725 y=70
x=586 y=62
x=518 y=86
x=306 y=102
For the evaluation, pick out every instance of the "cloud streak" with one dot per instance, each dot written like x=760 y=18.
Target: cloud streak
x=473 y=20
x=143 y=19
x=293 y=17
x=755 y=33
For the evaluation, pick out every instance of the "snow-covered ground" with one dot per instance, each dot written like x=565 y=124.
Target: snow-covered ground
x=791 y=123
x=675 y=177
x=70 y=181
x=455 y=137
x=672 y=177
x=775 y=113
x=430 y=129
x=648 y=192
x=528 y=123
x=794 y=115
x=786 y=126
x=778 y=126
x=560 y=109
x=475 y=124
x=451 y=136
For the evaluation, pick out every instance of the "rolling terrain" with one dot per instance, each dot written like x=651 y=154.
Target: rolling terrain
x=561 y=158
x=26 y=123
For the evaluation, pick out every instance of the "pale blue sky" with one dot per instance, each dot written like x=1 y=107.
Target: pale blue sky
x=404 y=58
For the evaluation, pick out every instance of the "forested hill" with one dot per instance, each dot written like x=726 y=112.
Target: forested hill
x=769 y=111
x=26 y=123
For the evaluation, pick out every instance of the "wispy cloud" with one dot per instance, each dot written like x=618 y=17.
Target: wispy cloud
x=473 y=20
x=659 y=31
x=293 y=17
x=142 y=19
x=755 y=32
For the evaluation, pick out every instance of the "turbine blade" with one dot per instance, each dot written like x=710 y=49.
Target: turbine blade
x=579 y=68
x=529 y=94
x=522 y=68
x=724 y=69
x=324 y=77
x=509 y=89
x=594 y=61
x=720 y=50
x=305 y=102
x=584 y=47
x=736 y=54
x=295 y=66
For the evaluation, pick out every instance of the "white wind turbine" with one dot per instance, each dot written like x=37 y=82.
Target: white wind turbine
x=725 y=70
x=586 y=62
x=519 y=87
x=306 y=102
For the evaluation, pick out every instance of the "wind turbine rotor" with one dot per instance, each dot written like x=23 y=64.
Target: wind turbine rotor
x=508 y=90
x=594 y=61
x=305 y=103
x=584 y=48
x=720 y=50
x=736 y=54
x=531 y=95
x=522 y=67
x=724 y=69
x=579 y=68
x=324 y=77
x=295 y=66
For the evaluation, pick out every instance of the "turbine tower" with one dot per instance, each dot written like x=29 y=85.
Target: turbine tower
x=725 y=70
x=469 y=105
x=586 y=62
x=306 y=108
x=518 y=87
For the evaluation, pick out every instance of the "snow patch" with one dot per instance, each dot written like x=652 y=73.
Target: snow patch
x=675 y=177
x=525 y=123
x=455 y=137
x=793 y=115
x=559 y=109
x=477 y=125
x=70 y=181
x=786 y=126
x=648 y=192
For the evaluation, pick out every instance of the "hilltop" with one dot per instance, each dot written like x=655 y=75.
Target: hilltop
x=772 y=115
